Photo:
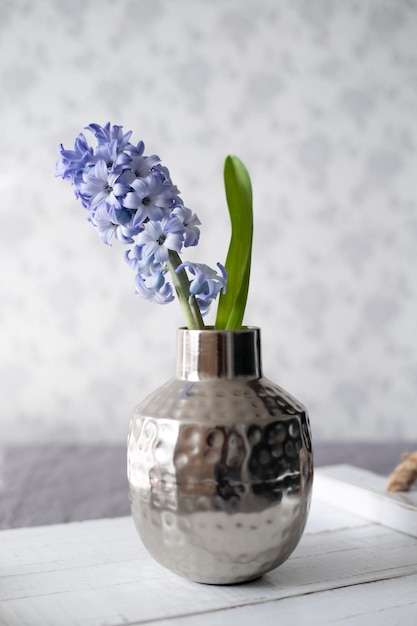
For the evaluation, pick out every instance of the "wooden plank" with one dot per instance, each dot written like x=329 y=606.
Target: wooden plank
x=99 y=573
x=353 y=606
x=340 y=561
x=83 y=543
x=363 y=493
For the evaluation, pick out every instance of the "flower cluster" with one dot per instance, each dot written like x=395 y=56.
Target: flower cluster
x=130 y=197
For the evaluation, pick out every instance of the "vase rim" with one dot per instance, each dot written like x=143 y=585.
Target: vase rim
x=211 y=329
x=209 y=353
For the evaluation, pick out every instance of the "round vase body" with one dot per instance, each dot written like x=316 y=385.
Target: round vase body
x=220 y=464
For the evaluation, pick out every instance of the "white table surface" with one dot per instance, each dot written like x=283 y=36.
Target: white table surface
x=346 y=570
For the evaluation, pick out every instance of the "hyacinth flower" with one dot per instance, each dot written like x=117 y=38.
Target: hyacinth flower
x=130 y=197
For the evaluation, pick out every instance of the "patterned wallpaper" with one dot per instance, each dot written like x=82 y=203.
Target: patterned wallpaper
x=318 y=98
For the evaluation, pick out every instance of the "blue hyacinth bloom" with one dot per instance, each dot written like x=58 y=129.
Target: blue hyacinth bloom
x=190 y=223
x=130 y=197
x=158 y=237
x=206 y=283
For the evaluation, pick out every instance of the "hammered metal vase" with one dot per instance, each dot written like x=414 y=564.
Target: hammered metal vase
x=220 y=464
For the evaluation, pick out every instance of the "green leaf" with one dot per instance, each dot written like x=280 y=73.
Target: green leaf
x=182 y=287
x=238 y=187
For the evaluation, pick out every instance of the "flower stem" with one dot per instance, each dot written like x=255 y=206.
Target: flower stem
x=189 y=306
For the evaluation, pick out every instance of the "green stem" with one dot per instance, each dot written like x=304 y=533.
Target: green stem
x=189 y=306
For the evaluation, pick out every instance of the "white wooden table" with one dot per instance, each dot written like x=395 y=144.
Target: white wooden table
x=347 y=569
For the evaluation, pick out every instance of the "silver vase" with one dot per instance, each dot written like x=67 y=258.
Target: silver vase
x=220 y=464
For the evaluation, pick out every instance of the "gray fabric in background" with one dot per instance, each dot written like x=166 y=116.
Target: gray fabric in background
x=54 y=484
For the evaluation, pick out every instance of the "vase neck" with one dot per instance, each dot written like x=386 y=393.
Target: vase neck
x=204 y=354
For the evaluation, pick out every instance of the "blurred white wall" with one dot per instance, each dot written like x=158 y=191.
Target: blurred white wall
x=318 y=98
